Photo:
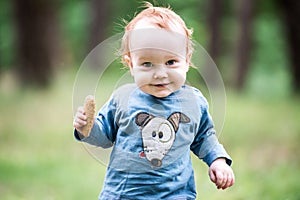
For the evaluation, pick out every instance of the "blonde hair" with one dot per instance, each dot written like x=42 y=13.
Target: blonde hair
x=162 y=17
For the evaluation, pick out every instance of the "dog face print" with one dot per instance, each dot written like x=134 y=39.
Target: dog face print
x=158 y=134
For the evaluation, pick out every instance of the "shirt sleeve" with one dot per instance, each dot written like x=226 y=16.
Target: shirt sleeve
x=104 y=130
x=206 y=145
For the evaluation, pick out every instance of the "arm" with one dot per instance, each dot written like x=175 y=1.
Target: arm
x=102 y=129
x=207 y=147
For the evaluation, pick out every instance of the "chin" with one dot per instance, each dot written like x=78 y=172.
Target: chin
x=158 y=94
x=162 y=95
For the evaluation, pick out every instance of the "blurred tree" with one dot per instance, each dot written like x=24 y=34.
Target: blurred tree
x=1 y=64
x=6 y=36
x=100 y=15
x=37 y=40
x=214 y=26
x=245 y=16
x=291 y=13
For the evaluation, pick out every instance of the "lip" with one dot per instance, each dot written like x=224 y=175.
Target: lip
x=160 y=85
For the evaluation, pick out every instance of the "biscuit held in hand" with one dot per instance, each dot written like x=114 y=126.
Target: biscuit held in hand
x=90 y=110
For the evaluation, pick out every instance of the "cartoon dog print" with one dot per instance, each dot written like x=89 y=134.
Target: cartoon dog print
x=158 y=134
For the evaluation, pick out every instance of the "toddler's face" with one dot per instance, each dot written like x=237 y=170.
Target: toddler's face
x=158 y=72
x=157 y=60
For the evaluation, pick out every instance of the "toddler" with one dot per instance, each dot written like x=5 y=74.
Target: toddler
x=154 y=123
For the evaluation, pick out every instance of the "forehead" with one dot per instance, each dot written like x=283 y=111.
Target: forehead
x=153 y=55
x=157 y=39
x=170 y=25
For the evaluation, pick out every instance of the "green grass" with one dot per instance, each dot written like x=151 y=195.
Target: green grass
x=40 y=159
x=262 y=136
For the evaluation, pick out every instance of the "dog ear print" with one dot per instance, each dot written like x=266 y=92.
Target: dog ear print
x=184 y=118
x=176 y=118
x=143 y=118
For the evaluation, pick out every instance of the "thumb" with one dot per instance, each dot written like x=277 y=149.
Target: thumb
x=212 y=175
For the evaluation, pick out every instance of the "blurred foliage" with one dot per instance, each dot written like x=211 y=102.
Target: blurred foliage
x=74 y=27
x=7 y=36
x=40 y=159
x=269 y=70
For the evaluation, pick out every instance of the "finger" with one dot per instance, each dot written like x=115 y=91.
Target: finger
x=80 y=109
x=226 y=182
x=225 y=185
x=219 y=179
x=212 y=176
x=81 y=116
x=229 y=182
x=78 y=123
x=232 y=180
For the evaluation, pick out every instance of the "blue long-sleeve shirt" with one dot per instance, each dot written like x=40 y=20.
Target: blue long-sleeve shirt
x=151 y=140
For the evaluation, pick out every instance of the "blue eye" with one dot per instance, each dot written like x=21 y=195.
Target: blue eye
x=147 y=64
x=171 y=62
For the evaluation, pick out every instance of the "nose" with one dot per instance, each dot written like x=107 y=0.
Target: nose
x=160 y=72
x=156 y=162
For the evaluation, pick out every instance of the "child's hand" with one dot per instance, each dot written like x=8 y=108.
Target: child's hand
x=221 y=174
x=84 y=117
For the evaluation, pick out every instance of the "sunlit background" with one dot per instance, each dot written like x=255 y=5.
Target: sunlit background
x=255 y=45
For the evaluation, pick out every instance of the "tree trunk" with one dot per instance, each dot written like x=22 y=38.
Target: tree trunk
x=37 y=32
x=214 y=25
x=245 y=16
x=100 y=15
x=291 y=12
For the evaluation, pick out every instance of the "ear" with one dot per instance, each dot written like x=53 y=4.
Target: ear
x=128 y=62
x=177 y=117
x=187 y=66
x=143 y=118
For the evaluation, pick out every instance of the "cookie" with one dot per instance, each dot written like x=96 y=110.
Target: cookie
x=90 y=110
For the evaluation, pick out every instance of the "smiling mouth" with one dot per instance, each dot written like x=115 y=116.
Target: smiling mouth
x=163 y=85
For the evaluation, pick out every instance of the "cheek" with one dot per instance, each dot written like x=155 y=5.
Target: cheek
x=140 y=77
x=179 y=75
